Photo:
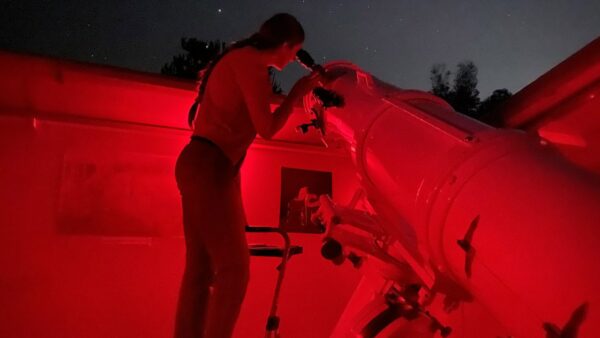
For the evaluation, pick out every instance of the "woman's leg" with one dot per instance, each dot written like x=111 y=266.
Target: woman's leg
x=198 y=276
x=217 y=257
x=231 y=258
x=229 y=290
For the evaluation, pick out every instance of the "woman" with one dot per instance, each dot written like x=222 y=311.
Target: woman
x=235 y=95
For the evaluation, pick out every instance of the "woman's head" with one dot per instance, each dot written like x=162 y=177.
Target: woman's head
x=281 y=36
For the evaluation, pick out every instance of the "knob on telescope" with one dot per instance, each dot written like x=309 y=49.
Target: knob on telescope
x=332 y=250
x=304 y=58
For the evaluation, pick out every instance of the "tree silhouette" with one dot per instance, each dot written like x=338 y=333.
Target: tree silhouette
x=198 y=54
x=440 y=81
x=488 y=109
x=463 y=96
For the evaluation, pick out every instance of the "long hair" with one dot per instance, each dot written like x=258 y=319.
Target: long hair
x=273 y=33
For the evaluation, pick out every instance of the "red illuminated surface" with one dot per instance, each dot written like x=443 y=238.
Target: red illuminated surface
x=91 y=225
x=528 y=216
x=563 y=105
x=61 y=121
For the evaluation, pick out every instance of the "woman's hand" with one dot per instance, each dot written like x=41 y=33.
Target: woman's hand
x=304 y=85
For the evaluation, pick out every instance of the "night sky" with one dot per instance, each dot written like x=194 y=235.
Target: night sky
x=512 y=42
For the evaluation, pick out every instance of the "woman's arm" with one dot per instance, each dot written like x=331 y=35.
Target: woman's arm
x=302 y=87
x=256 y=89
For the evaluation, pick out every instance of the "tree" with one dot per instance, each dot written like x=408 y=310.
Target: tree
x=198 y=54
x=489 y=108
x=464 y=95
x=440 y=83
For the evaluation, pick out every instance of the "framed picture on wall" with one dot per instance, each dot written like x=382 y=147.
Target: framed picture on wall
x=300 y=190
x=122 y=194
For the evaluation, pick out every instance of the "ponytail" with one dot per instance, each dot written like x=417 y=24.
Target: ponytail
x=277 y=30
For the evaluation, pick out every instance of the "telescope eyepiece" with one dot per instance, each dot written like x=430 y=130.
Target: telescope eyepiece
x=307 y=61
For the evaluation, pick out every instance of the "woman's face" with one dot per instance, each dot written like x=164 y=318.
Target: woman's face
x=285 y=54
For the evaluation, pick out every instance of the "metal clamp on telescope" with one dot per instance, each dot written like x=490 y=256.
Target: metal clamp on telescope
x=323 y=99
x=320 y=98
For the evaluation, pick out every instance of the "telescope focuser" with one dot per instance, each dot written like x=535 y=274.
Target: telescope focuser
x=316 y=123
x=328 y=98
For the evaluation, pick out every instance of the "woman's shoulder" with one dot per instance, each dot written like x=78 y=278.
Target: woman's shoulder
x=245 y=56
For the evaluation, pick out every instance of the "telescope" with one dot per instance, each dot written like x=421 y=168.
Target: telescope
x=458 y=208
